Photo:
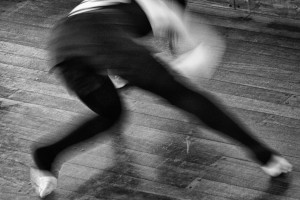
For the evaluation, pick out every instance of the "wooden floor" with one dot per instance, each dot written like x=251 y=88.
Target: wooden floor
x=259 y=79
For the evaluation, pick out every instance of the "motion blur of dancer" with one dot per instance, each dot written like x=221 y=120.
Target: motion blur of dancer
x=99 y=36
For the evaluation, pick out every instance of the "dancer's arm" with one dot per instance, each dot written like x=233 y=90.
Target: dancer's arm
x=164 y=17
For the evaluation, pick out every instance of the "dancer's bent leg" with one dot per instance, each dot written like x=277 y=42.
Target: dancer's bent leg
x=104 y=101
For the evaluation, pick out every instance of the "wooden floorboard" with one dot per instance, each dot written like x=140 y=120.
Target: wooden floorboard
x=149 y=157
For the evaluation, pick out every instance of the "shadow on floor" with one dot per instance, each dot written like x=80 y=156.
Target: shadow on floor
x=277 y=186
x=120 y=181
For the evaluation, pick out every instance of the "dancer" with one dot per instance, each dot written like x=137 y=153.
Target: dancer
x=99 y=36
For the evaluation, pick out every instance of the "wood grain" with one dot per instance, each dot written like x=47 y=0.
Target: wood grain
x=148 y=157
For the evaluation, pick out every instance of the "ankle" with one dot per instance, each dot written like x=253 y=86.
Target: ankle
x=263 y=155
x=43 y=159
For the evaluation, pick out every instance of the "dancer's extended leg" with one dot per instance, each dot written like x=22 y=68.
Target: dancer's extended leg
x=104 y=101
x=154 y=77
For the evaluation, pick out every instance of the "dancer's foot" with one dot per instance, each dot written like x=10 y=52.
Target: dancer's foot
x=43 y=181
x=277 y=166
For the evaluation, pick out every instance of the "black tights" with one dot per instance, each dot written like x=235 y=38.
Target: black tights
x=153 y=77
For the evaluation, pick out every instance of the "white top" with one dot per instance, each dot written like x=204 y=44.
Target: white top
x=90 y=5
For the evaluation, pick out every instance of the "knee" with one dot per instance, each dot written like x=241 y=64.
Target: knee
x=114 y=111
x=108 y=115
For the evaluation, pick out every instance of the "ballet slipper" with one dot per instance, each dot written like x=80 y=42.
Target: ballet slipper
x=277 y=166
x=43 y=182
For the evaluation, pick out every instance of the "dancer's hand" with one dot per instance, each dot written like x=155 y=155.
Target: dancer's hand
x=163 y=17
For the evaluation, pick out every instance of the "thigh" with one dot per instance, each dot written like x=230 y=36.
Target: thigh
x=94 y=90
x=140 y=68
x=105 y=100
